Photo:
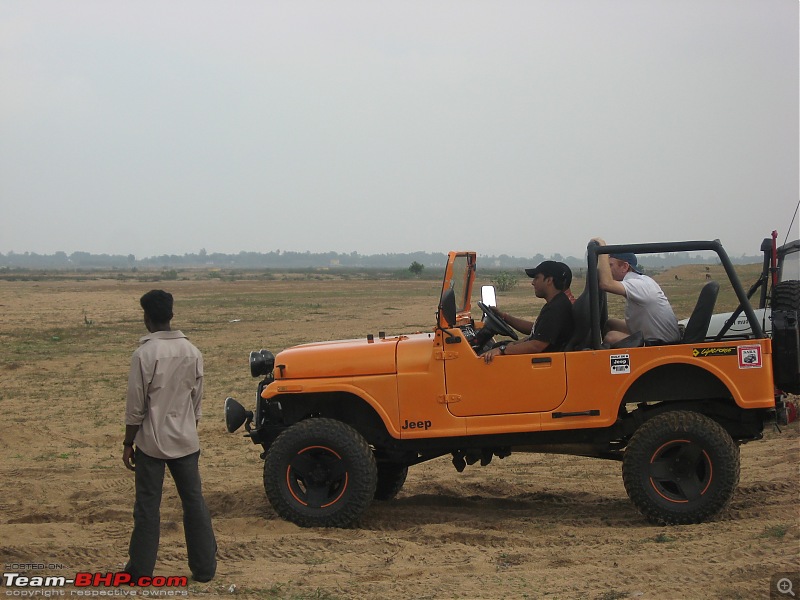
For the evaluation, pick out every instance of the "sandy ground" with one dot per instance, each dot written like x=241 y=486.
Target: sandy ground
x=528 y=526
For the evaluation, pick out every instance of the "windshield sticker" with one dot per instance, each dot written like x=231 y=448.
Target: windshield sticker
x=750 y=357
x=620 y=364
x=724 y=351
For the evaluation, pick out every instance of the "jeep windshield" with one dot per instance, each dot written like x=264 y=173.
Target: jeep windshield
x=458 y=276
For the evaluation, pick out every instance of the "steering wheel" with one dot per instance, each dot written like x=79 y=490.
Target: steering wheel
x=496 y=323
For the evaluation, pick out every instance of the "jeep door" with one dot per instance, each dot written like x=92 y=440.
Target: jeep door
x=513 y=384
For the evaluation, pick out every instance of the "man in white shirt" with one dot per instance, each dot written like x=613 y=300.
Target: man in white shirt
x=164 y=399
x=647 y=308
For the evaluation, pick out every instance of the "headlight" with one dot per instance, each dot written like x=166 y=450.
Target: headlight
x=261 y=363
x=236 y=415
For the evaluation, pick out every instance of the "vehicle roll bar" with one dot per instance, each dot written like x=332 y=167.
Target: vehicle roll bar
x=594 y=249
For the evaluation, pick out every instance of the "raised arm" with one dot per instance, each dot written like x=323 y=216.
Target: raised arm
x=605 y=278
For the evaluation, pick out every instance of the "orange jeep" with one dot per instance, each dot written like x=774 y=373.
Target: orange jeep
x=341 y=422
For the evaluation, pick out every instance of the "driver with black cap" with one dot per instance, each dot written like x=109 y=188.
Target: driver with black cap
x=553 y=328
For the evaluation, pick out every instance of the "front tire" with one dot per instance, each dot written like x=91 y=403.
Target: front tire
x=320 y=473
x=680 y=467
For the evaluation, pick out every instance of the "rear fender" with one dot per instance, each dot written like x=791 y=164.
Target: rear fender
x=672 y=382
x=671 y=379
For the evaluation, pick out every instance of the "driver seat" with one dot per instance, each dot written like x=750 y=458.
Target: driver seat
x=582 y=316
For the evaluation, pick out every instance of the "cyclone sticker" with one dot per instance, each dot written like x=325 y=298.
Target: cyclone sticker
x=718 y=351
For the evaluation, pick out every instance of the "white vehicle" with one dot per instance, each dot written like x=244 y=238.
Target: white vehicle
x=740 y=328
x=778 y=311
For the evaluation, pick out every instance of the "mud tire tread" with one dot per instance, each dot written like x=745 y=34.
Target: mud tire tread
x=359 y=463
x=786 y=295
x=677 y=425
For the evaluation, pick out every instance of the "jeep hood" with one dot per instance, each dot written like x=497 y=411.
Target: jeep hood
x=344 y=358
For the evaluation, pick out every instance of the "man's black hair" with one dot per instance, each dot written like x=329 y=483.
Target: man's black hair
x=157 y=305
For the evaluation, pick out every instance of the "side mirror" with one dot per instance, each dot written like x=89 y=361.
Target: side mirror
x=488 y=296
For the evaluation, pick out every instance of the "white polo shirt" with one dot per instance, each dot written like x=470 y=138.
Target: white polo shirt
x=648 y=310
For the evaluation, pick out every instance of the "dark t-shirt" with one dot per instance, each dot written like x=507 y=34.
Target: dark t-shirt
x=555 y=324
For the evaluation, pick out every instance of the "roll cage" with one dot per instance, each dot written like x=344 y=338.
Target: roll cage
x=593 y=285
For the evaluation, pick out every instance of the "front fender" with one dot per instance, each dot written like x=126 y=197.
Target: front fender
x=368 y=389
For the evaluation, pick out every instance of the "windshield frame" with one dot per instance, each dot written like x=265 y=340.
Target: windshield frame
x=459 y=276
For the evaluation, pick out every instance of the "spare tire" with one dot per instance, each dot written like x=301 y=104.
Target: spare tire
x=786 y=295
x=786 y=336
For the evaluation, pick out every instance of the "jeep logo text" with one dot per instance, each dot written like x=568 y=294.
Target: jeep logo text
x=416 y=424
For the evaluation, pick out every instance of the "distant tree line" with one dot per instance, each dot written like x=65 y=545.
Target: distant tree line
x=309 y=260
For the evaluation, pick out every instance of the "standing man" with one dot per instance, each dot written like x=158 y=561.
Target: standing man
x=647 y=308
x=554 y=327
x=165 y=391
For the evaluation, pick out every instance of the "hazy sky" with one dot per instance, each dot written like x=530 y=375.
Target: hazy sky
x=499 y=126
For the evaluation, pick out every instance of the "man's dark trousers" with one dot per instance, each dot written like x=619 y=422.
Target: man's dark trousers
x=201 y=546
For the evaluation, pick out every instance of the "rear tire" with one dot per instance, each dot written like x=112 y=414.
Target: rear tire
x=680 y=467
x=320 y=473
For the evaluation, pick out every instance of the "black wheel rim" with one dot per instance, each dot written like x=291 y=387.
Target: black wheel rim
x=317 y=477
x=680 y=471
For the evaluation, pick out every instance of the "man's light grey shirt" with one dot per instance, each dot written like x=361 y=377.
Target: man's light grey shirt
x=165 y=392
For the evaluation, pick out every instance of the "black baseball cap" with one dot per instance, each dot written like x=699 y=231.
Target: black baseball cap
x=560 y=272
